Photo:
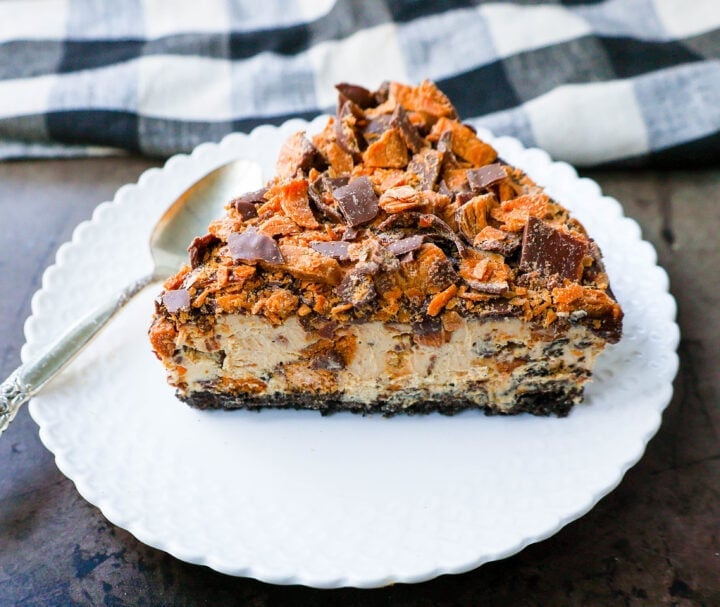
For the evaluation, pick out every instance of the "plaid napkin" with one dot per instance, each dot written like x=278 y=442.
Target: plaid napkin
x=593 y=82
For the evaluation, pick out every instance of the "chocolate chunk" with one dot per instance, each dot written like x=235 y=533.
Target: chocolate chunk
x=199 y=247
x=330 y=360
x=597 y=268
x=247 y=210
x=296 y=154
x=350 y=234
x=441 y=273
x=176 y=300
x=445 y=190
x=344 y=131
x=324 y=209
x=383 y=92
x=326 y=328
x=376 y=127
x=551 y=251
x=428 y=326
x=408 y=132
x=462 y=198
x=357 y=201
x=357 y=288
x=426 y=165
x=336 y=182
x=498 y=308
x=250 y=245
x=245 y=204
x=444 y=144
x=406 y=245
x=359 y=95
x=505 y=246
x=335 y=249
x=485 y=176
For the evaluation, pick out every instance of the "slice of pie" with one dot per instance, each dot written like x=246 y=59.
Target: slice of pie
x=394 y=264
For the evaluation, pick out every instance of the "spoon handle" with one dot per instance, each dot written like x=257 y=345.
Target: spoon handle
x=30 y=377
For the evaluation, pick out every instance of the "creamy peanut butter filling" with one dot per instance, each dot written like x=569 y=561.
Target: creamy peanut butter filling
x=492 y=361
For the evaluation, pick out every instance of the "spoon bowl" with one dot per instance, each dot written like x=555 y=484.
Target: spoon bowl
x=194 y=209
x=184 y=219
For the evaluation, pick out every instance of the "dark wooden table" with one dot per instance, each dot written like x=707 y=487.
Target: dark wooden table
x=654 y=541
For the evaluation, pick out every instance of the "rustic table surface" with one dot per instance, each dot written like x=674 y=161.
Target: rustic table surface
x=655 y=540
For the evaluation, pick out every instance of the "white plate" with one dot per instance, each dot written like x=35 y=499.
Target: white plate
x=296 y=498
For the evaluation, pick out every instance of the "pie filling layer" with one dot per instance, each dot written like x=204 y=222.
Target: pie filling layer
x=503 y=364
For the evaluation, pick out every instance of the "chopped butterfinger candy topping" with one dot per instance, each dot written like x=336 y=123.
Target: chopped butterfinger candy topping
x=396 y=211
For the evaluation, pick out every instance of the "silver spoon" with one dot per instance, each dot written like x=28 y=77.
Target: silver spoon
x=184 y=219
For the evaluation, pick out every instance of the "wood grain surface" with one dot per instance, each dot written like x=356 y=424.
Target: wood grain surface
x=655 y=540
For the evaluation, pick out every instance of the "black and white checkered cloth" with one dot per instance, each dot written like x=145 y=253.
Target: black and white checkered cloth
x=593 y=82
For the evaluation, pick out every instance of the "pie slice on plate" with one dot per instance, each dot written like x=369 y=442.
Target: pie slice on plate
x=393 y=264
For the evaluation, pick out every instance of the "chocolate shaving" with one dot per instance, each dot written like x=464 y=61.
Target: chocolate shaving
x=486 y=176
x=442 y=229
x=551 y=251
x=176 y=300
x=250 y=245
x=199 y=247
x=426 y=165
x=408 y=132
x=406 y=245
x=408 y=219
x=432 y=223
x=357 y=201
x=359 y=95
x=335 y=249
